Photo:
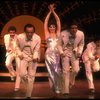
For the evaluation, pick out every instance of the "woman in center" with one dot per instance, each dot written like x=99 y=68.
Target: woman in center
x=52 y=55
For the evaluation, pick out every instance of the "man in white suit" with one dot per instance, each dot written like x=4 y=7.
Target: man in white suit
x=72 y=42
x=29 y=53
x=91 y=53
x=10 y=41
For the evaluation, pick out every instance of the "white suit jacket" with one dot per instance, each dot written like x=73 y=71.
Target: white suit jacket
x=35 y=44
x=89 y=52
x=78 y=43
x=10 y=45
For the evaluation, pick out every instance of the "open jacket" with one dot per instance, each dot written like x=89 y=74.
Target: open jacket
x=89 y=52
x=35 y=44
x=78 y=43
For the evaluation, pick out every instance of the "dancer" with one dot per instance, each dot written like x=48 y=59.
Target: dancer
x=52 y=56
x=29 y=53
x=10 y=41
x=91 y=54
x=72 y=42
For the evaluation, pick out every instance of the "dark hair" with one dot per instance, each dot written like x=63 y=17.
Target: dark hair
x=12 y=28
x=73 y=23
x=52 y=23
x=29 y=26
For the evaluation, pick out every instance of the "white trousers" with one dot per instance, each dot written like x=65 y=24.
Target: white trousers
x=27 y=73
x=69 y=76
x=9 y=66
x=89 y=74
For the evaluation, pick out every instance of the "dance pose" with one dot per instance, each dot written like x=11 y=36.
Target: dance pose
x=72 y=42
x=52 y=55
x=91 y=54
x=29 y=53
x=10 y=41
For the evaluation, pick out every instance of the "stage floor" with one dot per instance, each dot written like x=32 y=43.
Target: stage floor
x=42 y=90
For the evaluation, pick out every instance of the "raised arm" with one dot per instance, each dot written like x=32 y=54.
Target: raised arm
x=58 y=23
x=57 y=19
x=46 y=25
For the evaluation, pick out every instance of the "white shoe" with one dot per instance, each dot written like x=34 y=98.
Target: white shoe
x=12 y=78
x=57 y=91
x=16 y=89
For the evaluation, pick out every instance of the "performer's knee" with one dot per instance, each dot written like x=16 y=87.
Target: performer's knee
x=8 y=64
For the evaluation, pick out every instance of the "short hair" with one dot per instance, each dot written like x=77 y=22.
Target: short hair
x=29 y=26
x=74 y=23
x=12 y=28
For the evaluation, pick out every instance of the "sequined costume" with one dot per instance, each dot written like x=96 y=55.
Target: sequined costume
x=52 y=60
